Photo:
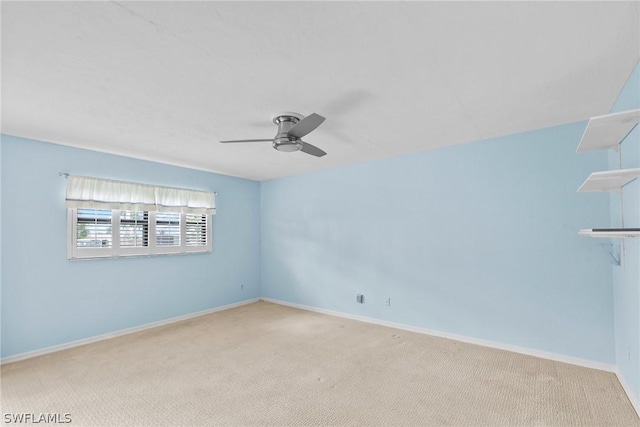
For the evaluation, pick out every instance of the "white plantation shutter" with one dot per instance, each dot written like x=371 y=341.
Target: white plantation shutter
x=168 y=229
x=196 y=230
x=134 y=229
x=94 y=229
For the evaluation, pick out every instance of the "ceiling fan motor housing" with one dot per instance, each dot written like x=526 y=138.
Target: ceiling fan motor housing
x=292 y=127
x=283 y=141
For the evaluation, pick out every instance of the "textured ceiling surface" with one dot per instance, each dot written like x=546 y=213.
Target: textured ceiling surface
x=165 y=81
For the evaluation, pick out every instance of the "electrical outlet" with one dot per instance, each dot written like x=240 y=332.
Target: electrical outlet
x=360 y=298
x=387 y=301
x=242 y=287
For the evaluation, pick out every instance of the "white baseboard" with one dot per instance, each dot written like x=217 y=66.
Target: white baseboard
x=632 y=397
x=486 y=343
x=516 y=349
x=109 y=335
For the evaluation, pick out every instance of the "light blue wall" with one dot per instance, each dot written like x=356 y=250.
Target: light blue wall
x=1 y=274
x=48 y=300
x=626 y=278
x=479 y=240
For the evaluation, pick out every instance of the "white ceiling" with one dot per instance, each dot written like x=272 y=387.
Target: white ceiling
x=166 y=80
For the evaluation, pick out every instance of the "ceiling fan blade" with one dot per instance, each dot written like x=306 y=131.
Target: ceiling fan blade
x=306 y=125
x=312 y=149
x=249 y=140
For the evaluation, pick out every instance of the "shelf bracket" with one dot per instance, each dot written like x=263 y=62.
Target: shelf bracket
x=609 y=248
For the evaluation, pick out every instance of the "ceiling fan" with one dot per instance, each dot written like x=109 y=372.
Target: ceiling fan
x=292 y=127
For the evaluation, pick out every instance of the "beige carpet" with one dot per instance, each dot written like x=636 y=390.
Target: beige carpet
x=265 y=364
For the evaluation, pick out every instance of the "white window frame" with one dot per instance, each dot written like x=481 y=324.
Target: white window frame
x=115 y=251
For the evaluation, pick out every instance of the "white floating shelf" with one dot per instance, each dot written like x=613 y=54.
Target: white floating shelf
x=615 y=233
x=609 y=180
x=608 y=131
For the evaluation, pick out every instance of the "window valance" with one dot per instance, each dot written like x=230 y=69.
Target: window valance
x=98 y=193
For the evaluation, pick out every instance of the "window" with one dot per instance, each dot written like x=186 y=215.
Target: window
x=168 y=229
x=195 y=229
x=153 y=221
x=134 y=229
x=93 y=228
x=102 y=233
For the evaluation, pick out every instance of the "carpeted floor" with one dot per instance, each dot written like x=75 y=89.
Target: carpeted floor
x=265 y=364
